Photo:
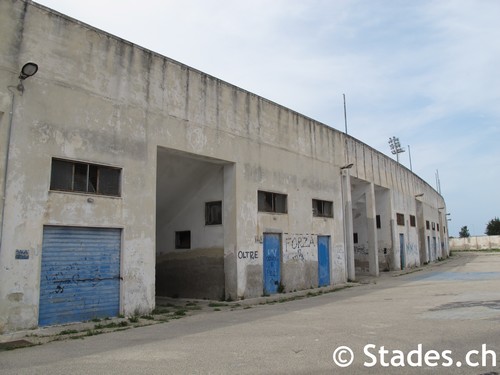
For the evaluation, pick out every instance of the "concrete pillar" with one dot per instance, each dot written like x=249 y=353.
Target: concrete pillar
x=371 y=225
x=348 y=226
x=230 y=232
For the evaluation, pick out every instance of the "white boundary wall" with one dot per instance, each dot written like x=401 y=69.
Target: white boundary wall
x=475 y=243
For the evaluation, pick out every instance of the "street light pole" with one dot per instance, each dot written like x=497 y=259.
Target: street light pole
x=396 y=148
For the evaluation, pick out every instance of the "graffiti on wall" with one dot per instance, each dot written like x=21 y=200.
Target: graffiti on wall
x=252 y=255
x=299 y=247
x=360 y=250
x=339 y=257
x=412 y=253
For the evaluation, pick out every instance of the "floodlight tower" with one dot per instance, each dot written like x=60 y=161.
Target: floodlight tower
x=396 y=148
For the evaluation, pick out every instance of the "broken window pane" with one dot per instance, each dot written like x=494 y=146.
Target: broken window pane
x=80 y=177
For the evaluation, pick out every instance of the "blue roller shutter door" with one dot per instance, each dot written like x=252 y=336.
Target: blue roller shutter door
x=80 y=275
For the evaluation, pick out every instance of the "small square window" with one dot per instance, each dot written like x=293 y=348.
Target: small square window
x=400 y=218
x=183 y=239
x=322 y=208
x=213 y=213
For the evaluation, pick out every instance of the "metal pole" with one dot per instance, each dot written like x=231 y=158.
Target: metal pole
x=345 y=115
x=409 y=154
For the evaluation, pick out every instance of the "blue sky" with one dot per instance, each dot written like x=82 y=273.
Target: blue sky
x=424 y=71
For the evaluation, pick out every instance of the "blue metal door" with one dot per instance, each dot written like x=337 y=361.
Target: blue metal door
x=429 y=248
x=272 y=262
x=80 y=275
x=402 y=250
x=323 y=260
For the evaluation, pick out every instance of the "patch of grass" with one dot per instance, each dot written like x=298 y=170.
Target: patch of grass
x=96 y=320
x=216 y=309
x=281 y=288
x=133 y=319
x=160 y=310
x=190 y=303
x=122 y=329
x=121 y=316
x=181 y=312
x=148 y=317
x=112 y=325
x=217 y=304
x=193 y=308
x=92 y=332
x=67 y=332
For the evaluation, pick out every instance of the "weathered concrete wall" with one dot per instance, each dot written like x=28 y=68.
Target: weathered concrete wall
x=475 y=243
x=384 y=210
x=197 y=273
x=99 y=99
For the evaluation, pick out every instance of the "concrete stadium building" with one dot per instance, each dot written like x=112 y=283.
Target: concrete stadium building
x=126 y=175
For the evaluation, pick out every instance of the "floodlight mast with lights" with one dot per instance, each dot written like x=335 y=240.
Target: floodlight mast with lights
x=396 y=148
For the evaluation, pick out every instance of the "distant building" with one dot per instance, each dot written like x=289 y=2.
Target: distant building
x=126 y=175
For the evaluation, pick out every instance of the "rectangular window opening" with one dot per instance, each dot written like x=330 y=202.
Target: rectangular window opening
x=377 y=219
x=413 y=222
x=85 y=178
x=427 y=225
x=355 y=237
x=183 y=239
x=400 y=218
x=213 y=213
x=272 y=202
x=322 y=208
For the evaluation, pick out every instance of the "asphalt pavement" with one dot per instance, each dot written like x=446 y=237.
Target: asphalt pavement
x=442 y=319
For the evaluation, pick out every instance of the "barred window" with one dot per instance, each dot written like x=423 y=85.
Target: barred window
x=322 y=208
x=85 y=178
x=272 y=202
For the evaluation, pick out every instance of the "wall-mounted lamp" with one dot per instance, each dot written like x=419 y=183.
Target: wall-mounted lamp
x=348 y=166
x=419 y=195
x=29 y=69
